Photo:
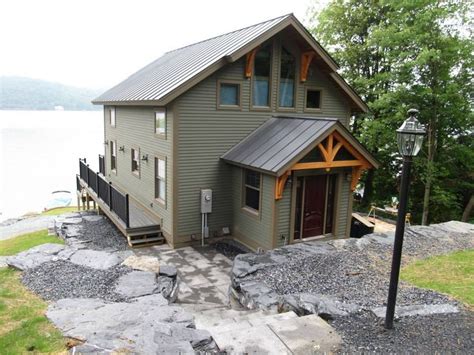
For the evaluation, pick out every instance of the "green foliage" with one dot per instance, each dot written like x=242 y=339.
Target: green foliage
x=59 y=210
x=403 y=54
x=26 y=241
x=450 y=274
x=18 y=93
x=23 y=326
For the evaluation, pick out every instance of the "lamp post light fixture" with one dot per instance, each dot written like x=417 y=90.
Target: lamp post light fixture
x=409 y=139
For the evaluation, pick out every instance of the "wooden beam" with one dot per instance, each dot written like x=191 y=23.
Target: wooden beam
x=350 y=148
x=327 y=165
x=250 y=58
x=280 y=185
x=335 y=150
x=306 y=59
x=323 y=152
x=356 y=173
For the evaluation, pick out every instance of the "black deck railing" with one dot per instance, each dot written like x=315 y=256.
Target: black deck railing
x=101 y=164
x=113 y=198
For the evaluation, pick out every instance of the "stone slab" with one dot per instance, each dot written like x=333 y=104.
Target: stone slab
x=35 y=256
x=417 y=310
x=136 y=284
x=307 y=335
x=253 y=340
x=95 y=259
x=143 y=263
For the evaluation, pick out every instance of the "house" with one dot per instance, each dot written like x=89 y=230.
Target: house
x=257 y=118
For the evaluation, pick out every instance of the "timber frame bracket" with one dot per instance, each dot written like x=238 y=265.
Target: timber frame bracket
x=249 y=61
x=280 y=184
x=306 y=59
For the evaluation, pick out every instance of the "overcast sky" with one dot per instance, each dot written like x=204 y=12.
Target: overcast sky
x=98 y=43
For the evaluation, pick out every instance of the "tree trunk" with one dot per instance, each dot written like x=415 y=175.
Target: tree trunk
x=468 y=209
x=368 y=188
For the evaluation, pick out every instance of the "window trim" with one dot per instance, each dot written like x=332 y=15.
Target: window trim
x=160 y=109
x=313 y=88
x=296 y=81
x=112 y=109
x=113 y=170
x=159 y=200
x=270 y=80
x=229 y=107
x=247 y=209
x=136 y=173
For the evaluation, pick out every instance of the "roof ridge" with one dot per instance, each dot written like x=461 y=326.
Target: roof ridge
x=228 y=33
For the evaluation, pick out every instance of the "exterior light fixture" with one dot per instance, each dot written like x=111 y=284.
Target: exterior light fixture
x=409 y=138
x=122 y=148
x=106 y=142
x=145 y=157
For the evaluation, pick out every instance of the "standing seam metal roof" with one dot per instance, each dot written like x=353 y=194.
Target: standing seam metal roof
x=178 y=66
x=281 y=140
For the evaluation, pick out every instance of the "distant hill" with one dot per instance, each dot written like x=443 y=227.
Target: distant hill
x=19 y=93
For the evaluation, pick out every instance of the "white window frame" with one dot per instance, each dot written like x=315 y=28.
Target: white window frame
x=113 y=117
x=160 y=179
x=136 y=152
x=160 y=132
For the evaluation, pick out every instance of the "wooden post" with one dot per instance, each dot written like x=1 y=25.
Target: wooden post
x=110 y=196
x=127 y=212
x=87 y=200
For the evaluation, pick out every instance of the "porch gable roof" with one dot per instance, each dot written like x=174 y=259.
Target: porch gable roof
x=282 y=141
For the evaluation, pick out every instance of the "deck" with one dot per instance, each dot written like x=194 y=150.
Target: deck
x=138 y=225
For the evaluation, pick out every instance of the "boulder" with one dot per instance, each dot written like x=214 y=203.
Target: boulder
x=136 y=284
x=168 y=270
x=324 y=306
x=143 y=263
x=417 y=310
x=35 y=256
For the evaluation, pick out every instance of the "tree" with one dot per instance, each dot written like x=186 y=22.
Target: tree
x=409 y=53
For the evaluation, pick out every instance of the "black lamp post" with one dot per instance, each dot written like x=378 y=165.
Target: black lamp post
x=409 y=138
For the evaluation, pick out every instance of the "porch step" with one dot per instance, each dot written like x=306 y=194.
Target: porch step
x=141 y=240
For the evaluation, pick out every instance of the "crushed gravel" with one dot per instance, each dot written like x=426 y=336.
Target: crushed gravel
x=61 y=279
x=349 y=277
x=440 y=333
x=230 y=248
x=102 y=235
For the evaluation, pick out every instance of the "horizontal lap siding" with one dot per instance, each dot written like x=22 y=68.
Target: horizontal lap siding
x=343 y=206
x=135 y=128
x=284 y=216
x=246 y=226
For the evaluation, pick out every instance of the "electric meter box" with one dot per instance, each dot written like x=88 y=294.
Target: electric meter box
x=206 y=201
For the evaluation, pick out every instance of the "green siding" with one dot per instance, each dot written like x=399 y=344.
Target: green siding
x=135 y=127
x=284 y=216
x=204 y=133
x=257 y=228
x=342 y=205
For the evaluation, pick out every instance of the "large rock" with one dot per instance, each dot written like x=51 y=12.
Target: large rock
x=168 y=270
x=136 y=284
x=143 y=263
x=36 y=256
x=417 y=310
x=147 y=325
x=96 y=259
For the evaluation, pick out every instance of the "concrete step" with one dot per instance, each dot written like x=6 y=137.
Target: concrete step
x=284 y=335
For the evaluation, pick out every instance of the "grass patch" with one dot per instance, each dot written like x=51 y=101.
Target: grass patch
x=23 y=326
x=452 y=274
x=26 y=241
x=59 y=210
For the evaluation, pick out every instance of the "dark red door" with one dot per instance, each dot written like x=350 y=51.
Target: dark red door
x=314 y=203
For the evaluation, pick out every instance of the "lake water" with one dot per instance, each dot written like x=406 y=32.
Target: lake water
x=39 y=152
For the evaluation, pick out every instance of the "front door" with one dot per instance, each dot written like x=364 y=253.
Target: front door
x=314 y=205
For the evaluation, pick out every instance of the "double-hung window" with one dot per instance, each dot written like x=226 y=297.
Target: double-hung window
x=160 y=179
x=252 y=189
x=112 y=116
x=287 y=79
x=261 y=80
x=135 y=161
x=113 y=155
x=160 y=122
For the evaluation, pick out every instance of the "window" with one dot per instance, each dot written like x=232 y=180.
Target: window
x=113 y=155
x=261 y=79
x=112 y=116
x=135 y=161
x=160 y=179
x=287 y=79
x=313 y=99
x=252 y=189
x=160 y=122
x=229 y=94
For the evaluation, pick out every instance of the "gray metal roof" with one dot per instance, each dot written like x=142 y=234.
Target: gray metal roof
x=174 y=68
x=281 y=141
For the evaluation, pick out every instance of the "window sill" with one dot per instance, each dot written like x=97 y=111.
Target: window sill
x=261 y=108
x=136 y=173
x=229 y=107
x=160 y=202
x=315 y=110
x=113 y=171
x=251 y=212
x=287 y=109
x=160 y=135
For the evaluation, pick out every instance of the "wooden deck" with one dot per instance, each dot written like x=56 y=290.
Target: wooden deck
x=144 y=227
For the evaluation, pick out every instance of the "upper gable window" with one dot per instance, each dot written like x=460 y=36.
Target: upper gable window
x=287 y=79
x=112 y=116
x=261 y=80
x=229 y=94
x=160 y=122
x=313 y=99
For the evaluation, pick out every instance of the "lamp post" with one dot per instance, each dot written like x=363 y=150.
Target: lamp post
x=409 y=139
